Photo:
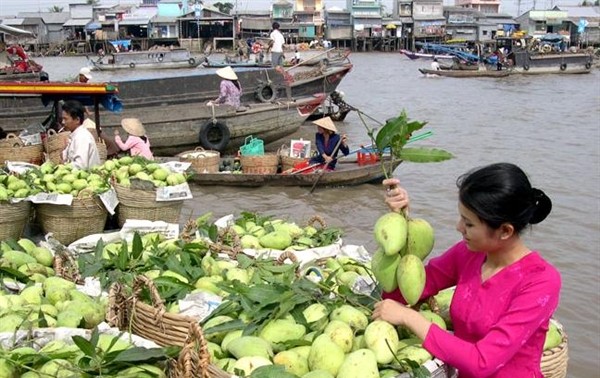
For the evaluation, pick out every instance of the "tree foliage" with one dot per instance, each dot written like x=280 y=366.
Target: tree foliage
x=55 y=9
x=224 y=7
x=92 y=2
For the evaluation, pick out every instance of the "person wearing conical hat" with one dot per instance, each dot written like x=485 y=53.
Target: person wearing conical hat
x=230 y=89
x=137 y=142
x=329 y=143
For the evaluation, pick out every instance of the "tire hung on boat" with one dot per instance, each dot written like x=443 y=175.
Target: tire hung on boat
x=526 y=67
x=160 y=58
x=266 y=93
x=131 y=65
x=588 y=65
x=214 y=135
x=192 y=61
x=563 y=66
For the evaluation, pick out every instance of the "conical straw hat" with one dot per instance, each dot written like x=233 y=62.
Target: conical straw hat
x=326 y=123
x=133 y=126
x=226 y=73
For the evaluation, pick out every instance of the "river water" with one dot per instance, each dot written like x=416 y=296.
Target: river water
x=549 y=125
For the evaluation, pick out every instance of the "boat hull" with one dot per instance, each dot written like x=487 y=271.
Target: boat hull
x=464 y=73
x=346 y=173
x=413 y=55
x=151 y=60
x=563 y=63
x=138 y=96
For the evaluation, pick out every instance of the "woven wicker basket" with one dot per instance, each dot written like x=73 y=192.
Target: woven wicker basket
x=554 y=361
x=142 y=204
x=260 y=164
x=202 y=161
x=54 y=145
x=102 y=150
x=85 y=216
x=13 y=218
x=13 y=149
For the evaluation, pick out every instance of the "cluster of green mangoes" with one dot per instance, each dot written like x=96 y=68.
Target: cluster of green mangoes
x=126 y=168
x=64 y=179
x=48 y=300
x=64 y=359
x=14 y=186
x=280 y=234
x=403 y=245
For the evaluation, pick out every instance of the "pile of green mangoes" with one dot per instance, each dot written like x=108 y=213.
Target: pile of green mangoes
x=46 y=300
x=126 y=168
x=261 y=232
x=13 y=186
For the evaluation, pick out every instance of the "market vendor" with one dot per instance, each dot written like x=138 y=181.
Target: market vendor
x=137 y=142
x=230 y=89
x=81 y=150
x=328 y=143
x=505 y=292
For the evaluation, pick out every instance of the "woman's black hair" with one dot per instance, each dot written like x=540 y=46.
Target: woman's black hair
x=501 y=193
x=75 y=109
x=237 y=84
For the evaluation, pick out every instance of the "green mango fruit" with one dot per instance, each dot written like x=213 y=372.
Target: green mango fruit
x=411 y=278
x=391 y=231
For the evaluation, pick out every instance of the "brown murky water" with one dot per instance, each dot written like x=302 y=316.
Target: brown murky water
x=549 y=125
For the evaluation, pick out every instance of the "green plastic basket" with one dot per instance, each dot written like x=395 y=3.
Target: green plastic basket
x=252 y=147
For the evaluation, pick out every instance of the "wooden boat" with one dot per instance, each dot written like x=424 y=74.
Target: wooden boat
x=234 y=64
x=26 y=76
x=465 y=73
x=346 y=173
x=525 y=57
x=334 y=107
x=266 y=85
x=181 y=126
x=415 y=55
x=151 y=59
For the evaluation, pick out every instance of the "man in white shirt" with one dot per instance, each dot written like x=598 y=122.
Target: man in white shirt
x=81 y=150
x=435 y=65
x=277 y=47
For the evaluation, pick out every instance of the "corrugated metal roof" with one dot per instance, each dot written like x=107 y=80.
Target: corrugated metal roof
x=13 y=21
x=12 y=30
x=48 y=17
x=77 y=22
x=582 y=12
x=135 y=21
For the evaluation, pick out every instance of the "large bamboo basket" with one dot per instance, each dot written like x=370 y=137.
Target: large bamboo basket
x=260 y=164
x=288 y=162
x=554 y=361
x=203 y=161
x=13 y=218
x=142 y=204
x=85 y=216
x=13 y=149
x=54 y=145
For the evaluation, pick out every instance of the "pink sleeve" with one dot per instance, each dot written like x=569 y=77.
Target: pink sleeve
x=440 y=271
x=124 y=146
x=222 y=92
x=528 y=310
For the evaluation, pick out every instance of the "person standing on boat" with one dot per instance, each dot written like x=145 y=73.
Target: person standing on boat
x=505 y=292
x=85 y=75
x=137 y=142
x=230 y=89
x=328 y=143
x=81 y=150
x=435 y=65
x=276 y=46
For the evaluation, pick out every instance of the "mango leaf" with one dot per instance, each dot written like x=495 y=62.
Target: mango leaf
x=139 y=354
x=137 y=247
x=272 y=371
x=424 y=155
x=232 y=325
x=85 y=346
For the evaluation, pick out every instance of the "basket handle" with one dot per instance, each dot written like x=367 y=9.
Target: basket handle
x=117 y=306
x=141 y=282
x=199 y=148
x=66 y=267
x=51 y=132
x=287 y=255
x=11 y=136
x=194 y=359
x=317 y=219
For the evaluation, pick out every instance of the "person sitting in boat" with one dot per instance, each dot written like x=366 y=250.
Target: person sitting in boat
x=85 y=75
x=137 y=142
x=328 y=143
x=435 y=65
x=230 y=88
x=296 y=59
x=81 y=150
